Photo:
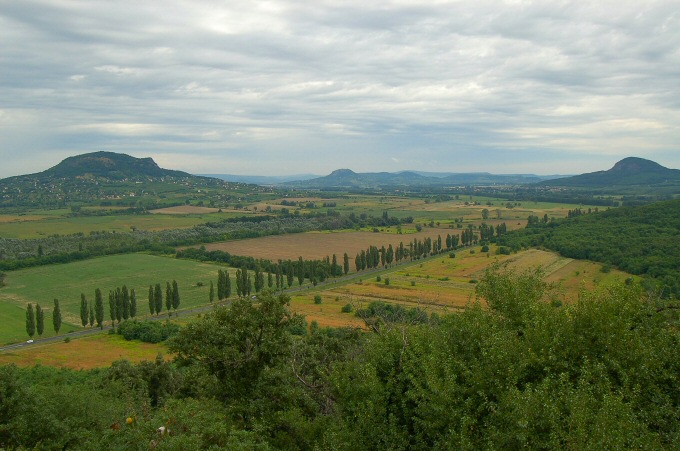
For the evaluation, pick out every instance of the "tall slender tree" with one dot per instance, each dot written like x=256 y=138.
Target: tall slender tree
x=133 y=303
x=168 y=297
x=227 y=284
x=152 y=301
x=220 y=284
x=83 y=309
x=91 y=318
x=39 y=319
x=211 y=294
x=125 y=301
x=56 y=316
x=112 y=306
x=345 y=263
x=99 y=308
x=158 y=298
x=30 y=320
x=175 y=295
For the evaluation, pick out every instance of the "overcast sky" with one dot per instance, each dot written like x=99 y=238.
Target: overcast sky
x=294 y=86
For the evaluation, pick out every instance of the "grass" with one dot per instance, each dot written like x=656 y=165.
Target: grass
x=85 y=353
x=66 y=283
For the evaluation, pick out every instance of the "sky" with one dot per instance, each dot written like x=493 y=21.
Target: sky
x=296 y=86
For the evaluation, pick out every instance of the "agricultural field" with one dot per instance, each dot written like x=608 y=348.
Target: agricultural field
x=318 y=245
x=66 y=282
x=40 y=225
x=443 y=284
x=96 y=351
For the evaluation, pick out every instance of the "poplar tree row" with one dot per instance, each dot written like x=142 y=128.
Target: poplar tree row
x=172 y=298
x=122 y=304
x=35 y=319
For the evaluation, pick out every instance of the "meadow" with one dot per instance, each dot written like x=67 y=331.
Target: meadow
x=66 y=282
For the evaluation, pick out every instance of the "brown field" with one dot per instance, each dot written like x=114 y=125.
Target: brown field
x=85 y=353
x=317 y=245
x=185 y=210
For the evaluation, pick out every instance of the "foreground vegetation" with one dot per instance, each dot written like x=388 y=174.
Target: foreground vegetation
x=599 y=373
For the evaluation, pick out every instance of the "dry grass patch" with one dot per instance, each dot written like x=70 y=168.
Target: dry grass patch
x=85 y=353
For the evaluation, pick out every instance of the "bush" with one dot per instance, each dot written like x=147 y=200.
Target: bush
x=347 y=308
x=387 y=280
x=452 y=255
x=378 y=279
x=317 y=299
x=413 y=283
x=147 y=331
x=485 y=248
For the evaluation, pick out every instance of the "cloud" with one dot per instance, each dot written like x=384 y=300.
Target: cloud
x=263 y=87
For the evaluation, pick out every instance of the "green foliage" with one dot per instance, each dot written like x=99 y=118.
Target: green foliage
x=147 y=331
x=30 y=320
x=39 y=319
x=347 y=308
x=317 y=299
x=56 y=316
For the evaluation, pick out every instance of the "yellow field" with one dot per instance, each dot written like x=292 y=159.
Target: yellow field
x=446 y=284
x=95 y=351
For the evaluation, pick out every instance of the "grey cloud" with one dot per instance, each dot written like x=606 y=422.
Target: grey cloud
x=352 y=81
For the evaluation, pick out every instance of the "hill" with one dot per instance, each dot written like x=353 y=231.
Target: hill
x=630 y=171
x=109 y=165
x=106 y=179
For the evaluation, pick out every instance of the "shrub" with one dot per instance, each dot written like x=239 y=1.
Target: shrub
x=317 y=299
x=347 y=308
x=387 y=280
x=378 y=279
x=452 y=255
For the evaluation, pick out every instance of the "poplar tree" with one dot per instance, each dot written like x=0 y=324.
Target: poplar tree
x=152 y=301
x=211 y=294
x=300 y=271
x=345 y=265
x=56 y=316
x=125 y=302
x=112 y=307
x=133 y=303
x=83 y=309
x=227 y=284
x=270 y=280
x=30 y=320
x=158 y=298
x=168 y=296
x=39 y=319
x=175 y=295
x=91 y=318
x=99 y=308
x=220 y=284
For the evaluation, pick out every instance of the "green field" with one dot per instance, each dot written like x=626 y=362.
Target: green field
x=66 y=283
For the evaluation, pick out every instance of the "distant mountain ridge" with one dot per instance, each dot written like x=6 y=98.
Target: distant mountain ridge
x=346 y=178
x=630 y=171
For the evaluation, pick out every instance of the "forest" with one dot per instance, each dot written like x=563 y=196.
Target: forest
x=526 y=372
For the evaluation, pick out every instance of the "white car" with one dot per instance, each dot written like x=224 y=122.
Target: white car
x=30 y=341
